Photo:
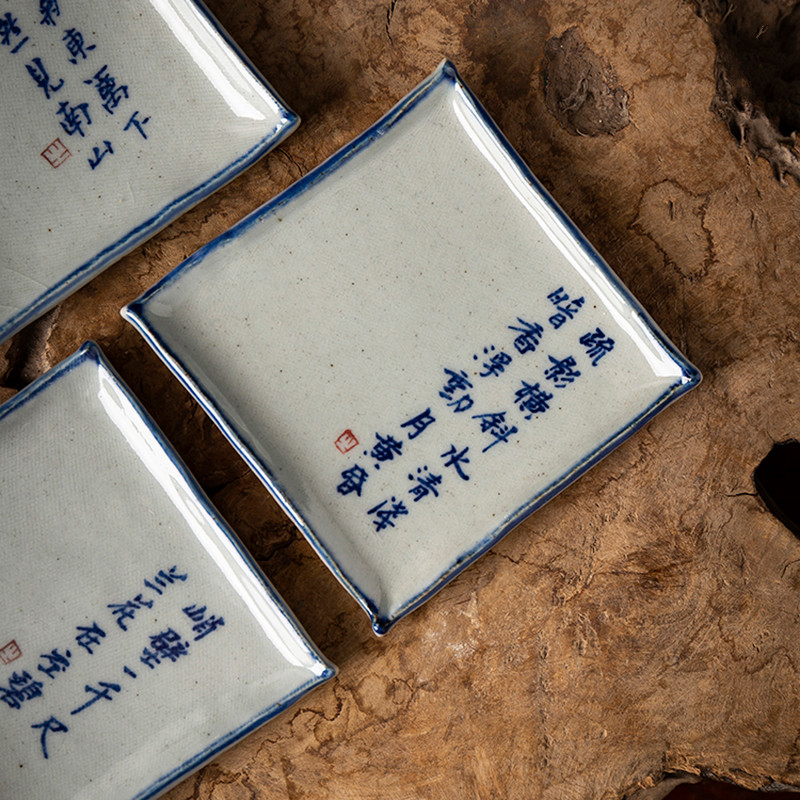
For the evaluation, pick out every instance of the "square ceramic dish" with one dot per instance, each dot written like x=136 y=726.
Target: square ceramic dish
x=413 y=347
x=115 y=119
x=137 y=638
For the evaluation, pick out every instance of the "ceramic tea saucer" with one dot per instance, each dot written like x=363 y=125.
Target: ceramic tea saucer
x=413 y=347
x=115 y=119
x=137 y=637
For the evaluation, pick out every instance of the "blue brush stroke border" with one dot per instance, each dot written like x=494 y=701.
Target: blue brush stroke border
x=136 y=314
x=90 y=353
x=64 y=287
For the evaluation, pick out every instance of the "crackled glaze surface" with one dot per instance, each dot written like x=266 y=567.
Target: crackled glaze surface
x=115 y=118
x=136 y=640
x=469 y=356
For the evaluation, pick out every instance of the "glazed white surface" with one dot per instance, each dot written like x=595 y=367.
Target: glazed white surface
x=341 y=307
x=206 y=111
x=92 y=508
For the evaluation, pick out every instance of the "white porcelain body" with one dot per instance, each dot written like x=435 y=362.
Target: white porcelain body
x=115 y=118
x=359 y=305
x=108 y=543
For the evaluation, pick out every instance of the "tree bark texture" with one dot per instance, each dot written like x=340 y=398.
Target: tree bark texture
x=642 y=626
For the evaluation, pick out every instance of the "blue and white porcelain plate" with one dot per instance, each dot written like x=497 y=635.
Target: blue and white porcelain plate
x=115 y=118
x=137 y=637
x=413 y=347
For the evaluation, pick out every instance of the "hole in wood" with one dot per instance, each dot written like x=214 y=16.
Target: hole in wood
x=716 y=790
x=777 y=480
x=758 y=75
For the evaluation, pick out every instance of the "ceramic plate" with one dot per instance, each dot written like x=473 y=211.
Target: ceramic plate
x=137 y=638
x=413 y=347
x=115 y=118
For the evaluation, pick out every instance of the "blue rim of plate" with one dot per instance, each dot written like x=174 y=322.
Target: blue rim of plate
x=69 y=284
x=89 y=352
x=135 y=313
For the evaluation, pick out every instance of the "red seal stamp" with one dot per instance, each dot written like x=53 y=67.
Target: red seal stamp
x=56 y=153
x=346 y=442
x=10 y=652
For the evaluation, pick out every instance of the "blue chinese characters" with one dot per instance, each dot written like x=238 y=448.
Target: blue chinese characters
x=89 y=101
x=149 y=647
x=537 y=358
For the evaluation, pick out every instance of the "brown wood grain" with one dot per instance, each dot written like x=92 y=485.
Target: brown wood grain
x=645 y=623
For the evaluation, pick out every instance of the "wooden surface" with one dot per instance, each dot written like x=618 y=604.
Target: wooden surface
x=645 y=623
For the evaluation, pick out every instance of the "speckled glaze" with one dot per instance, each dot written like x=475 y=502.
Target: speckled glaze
x=115 y=118
x=413 y=347
x=137 y=638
